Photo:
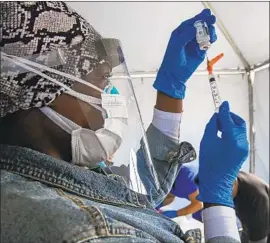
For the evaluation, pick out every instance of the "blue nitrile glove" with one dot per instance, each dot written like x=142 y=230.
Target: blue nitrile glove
x=170 y=214
x=183 y=56
x=220 y=159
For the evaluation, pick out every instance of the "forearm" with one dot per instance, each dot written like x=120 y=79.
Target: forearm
x=190 y=209
x=168 y=104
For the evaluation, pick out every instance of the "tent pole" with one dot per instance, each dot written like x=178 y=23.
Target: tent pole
x=252 y=133
x=261 y=66
x=153 y=74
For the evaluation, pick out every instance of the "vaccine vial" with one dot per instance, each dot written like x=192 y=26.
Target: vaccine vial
x=202 y=35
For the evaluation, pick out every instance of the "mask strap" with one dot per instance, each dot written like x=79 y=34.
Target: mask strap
x=86 y=99
x=69 y=91
x=66 y=124
x=37 y=65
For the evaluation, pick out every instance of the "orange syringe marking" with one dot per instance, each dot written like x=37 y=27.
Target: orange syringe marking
x=213 y=61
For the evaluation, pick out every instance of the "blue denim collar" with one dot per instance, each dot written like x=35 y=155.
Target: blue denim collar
x=57 y=173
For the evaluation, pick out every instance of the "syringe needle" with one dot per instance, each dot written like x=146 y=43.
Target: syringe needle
x=207 y=59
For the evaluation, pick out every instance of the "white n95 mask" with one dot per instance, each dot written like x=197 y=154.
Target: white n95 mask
x=89 y=147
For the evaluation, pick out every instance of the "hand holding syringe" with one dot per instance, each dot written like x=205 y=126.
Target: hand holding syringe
x=212 y=80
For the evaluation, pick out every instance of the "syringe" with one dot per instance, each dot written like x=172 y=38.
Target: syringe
x=212 y=80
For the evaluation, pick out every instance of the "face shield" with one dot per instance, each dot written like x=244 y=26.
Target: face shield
x=113 y=130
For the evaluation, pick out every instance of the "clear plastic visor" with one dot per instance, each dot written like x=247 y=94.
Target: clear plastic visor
x=103 y=100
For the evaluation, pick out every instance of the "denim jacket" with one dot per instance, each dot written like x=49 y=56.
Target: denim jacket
x=45 y=200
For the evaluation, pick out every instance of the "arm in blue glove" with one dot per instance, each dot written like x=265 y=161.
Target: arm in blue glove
x=220 y=159
x=170 y=214
x=183 y=56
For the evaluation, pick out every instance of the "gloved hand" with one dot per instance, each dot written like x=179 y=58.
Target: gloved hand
x=170 y=214
x=220 y=159
x=183 y=56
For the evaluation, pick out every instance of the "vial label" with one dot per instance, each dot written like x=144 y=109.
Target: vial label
x=202 y=35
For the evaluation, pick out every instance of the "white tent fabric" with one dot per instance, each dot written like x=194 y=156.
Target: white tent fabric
x=261 y=95
x=144 y=29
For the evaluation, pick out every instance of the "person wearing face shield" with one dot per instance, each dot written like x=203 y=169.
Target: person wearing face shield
x=67 y=104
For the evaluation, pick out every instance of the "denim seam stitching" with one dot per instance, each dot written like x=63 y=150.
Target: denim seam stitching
x=114 y=235
x=77 y=201
x=105 y=224
x=85 y=208
x=133 y=194
x=25 y=171
x=103 y=199
x=93 y=237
